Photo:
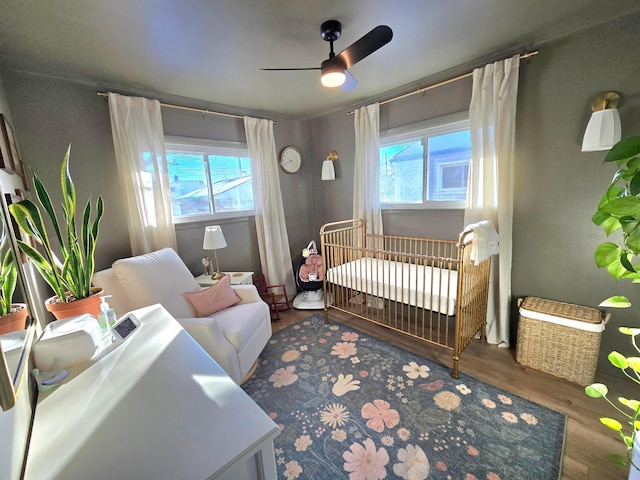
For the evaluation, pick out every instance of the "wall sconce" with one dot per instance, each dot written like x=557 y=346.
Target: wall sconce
x=328 y=171
x=603 y=130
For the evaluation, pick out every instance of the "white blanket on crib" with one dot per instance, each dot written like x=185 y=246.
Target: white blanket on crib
x=432 y=288
x=485 y=241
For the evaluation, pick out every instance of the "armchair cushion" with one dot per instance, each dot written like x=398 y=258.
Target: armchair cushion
x=157 y=277
x=213 y=299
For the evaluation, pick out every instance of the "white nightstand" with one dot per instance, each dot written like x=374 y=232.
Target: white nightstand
x=237 y=278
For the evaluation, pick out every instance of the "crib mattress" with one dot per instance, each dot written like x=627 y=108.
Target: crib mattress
x=421 y=286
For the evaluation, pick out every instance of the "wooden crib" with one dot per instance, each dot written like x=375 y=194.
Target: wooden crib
x=426 y=288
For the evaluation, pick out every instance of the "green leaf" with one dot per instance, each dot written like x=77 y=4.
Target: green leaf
x=623 y=206
x=617 y=301
x=607 y=253
x=611 y=423
x=610 y=225
x=618 y=460
x=625 y=149
x=634 y=362
x=632 y=332
x=596 y=390
x=618 y=360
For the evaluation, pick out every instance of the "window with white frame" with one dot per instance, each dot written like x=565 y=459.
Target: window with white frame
x=209 y=179
x=426 y=165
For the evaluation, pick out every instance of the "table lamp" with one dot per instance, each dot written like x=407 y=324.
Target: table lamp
x=213 y=240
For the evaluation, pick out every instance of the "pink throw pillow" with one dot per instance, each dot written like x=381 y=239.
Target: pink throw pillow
x=213 y=299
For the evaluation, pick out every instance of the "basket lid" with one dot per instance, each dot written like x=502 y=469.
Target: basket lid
x=562 y=309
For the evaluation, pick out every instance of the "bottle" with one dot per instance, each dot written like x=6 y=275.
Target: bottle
x=107 y=316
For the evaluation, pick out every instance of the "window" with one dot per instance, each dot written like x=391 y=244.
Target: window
x=427 y=164
x=209 y=179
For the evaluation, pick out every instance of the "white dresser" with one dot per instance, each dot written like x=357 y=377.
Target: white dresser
x=155 y=407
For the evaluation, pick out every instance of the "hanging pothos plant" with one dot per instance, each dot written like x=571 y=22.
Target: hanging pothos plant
x=619 y=215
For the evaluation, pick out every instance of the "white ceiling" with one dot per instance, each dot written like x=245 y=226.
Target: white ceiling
x=212 y=50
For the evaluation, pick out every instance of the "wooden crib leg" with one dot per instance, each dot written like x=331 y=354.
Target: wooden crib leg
x=455 y=373
x=326 y=316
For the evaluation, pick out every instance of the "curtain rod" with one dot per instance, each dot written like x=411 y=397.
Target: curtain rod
x=440 y=84
x=191 y=109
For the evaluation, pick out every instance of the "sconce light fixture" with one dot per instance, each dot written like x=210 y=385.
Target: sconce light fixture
x=603 y=130
x=214 y=240
x=328 y=171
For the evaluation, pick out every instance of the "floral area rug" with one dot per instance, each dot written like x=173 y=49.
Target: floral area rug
x=351 y=406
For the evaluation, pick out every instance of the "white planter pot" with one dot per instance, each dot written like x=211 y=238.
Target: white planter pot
x=634 y=473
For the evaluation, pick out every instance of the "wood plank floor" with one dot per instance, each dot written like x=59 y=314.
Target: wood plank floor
x=586 y=440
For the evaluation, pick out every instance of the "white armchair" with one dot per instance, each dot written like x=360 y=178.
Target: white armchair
x=233 y=337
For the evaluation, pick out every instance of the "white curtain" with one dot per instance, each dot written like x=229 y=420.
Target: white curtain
x=138 y=139
x=366 y=175
x=273 y=243
x=492 y=115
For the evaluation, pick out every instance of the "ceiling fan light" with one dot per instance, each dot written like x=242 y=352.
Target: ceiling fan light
x=332 y=74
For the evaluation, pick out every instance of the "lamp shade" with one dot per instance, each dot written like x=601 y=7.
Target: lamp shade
x=332 y=74
x=603 y=130
x=213 y=238
x=328 y=171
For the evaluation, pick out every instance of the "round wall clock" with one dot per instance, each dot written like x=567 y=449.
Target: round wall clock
x=290 y=160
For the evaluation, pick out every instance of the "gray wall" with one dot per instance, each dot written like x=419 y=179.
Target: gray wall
x=50 y=113
x=557 y=186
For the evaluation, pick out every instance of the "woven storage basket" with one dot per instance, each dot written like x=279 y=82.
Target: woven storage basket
x=568 y=351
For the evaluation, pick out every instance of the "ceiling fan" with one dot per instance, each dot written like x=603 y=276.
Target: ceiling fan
x=334 y=70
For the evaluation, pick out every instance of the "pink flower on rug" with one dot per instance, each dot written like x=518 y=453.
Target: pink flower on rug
x=344 y=349
x=441 y=466
x=473 y=451
x=504 y=399
x=493 y=476
x=363 y=373
x=432 y=386
x=365 y=462
x=447 y=400
x=350 y=336
x=470 y=476
x=380 y=415
x=530 y=419
x=403 y=434
x=293 y=470
x=413 y=465
x=283 y=377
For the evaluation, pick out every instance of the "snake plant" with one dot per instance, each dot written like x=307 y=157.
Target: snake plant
x=8 y=276
x=619 y=215
x=70 y=278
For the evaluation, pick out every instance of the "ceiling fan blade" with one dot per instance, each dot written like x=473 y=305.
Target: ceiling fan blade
x=350 y=82
x=289 y=69
x=365 y=46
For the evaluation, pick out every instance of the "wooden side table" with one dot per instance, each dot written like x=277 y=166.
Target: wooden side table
x=237 y=278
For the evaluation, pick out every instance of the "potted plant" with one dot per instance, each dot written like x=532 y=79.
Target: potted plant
x=619 y=213
x=13 y=316
x=70 y=278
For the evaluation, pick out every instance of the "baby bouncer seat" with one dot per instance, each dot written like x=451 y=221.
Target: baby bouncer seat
x=309 y=276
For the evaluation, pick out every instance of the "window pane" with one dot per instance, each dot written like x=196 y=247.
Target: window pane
x=401 y=172
x=231 y=181
x=188 y=181
x=449 y=156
